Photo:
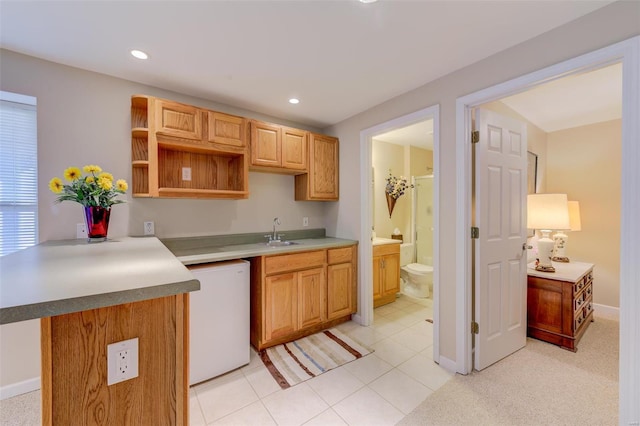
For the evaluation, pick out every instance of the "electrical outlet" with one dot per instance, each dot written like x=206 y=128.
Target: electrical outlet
x=81 y=230
x=186 y=173
x=149 y=228
x=305 y=221
x=122 y=361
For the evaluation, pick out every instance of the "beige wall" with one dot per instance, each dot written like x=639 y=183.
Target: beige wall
x=84 y=118
x=614 y=23
x=388 y=157
x=585 y=163
x=404 y=161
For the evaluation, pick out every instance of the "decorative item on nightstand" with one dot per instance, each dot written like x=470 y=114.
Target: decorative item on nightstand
x=95 y=191
x=546 y=212
x=560 y=239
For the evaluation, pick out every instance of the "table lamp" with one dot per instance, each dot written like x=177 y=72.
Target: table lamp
x=561 y=239
x=547 y=212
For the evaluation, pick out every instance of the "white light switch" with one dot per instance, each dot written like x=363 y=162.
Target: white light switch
x=186 y=173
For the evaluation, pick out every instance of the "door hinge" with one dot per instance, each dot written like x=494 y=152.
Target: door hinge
x=475 y=232
x=475 y=136
x=475 y=328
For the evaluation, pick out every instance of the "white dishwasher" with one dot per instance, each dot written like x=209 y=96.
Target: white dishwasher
x=218 y=319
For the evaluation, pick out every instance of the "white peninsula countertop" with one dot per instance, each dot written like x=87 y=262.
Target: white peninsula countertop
x=60 y=277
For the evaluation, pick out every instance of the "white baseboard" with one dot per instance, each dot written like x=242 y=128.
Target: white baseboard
x=448 y=364
x=606 y=311
x=19 y=388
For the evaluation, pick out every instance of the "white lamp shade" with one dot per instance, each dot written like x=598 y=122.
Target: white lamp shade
x=547 y=211
x=574 y=216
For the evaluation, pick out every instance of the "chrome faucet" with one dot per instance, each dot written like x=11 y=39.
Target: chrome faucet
x=274 y=236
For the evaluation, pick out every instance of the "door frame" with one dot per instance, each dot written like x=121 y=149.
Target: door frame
x=364 y=315
x=628 y=53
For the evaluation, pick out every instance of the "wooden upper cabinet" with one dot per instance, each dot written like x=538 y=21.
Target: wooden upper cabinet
x=266 y=144
x=294 y=149
x=177 y=154
x=178 y=120
x=226 y=129
x=321 y=183
x=277 y=148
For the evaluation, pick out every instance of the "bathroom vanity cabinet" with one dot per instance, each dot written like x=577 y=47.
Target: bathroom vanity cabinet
x=560 y=304
x=386 y=273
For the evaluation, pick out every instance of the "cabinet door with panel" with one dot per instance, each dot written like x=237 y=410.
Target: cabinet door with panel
x=178 y=120
x=391 y=273
x=226 y=129
x=377 y=277
x=280 y=314
x=266 y=144
x=311 y=297
x=386 y=273
x=321 y=183
x=341 y=284
x=294 y=149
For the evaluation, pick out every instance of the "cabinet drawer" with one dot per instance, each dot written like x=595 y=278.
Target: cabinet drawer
x=293 y=262
x=581 y=317
x=578 y=301
x=583 y=282
x=339 y=255
x=384 y=249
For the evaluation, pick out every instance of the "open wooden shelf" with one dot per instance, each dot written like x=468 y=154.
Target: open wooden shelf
x=162 y=154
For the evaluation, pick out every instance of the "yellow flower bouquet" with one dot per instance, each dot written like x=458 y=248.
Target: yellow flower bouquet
x=95 y=189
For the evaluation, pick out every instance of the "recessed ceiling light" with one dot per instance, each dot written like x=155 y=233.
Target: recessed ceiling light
x=139 y=54
x=368 y=1
x=294 y=101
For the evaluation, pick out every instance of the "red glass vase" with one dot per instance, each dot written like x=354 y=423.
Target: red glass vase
x=97 y=221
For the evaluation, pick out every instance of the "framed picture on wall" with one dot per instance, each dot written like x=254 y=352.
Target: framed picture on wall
x=532 y=172
x=532 y=179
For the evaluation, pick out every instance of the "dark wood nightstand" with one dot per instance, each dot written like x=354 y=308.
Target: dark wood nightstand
x=560 y=304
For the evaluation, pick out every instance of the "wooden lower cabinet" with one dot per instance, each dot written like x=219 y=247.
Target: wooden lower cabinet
x=386 y=273
x=560 y=304
x=294 y=295
x=74 y=365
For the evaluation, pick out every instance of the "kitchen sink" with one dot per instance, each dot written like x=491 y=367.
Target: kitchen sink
x=281 y=243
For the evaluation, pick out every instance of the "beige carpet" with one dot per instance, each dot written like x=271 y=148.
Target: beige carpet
x=538 y=385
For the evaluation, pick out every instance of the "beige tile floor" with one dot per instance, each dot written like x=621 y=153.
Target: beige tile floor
x=379 y=389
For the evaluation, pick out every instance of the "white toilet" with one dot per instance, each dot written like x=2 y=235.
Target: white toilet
x=416 y=280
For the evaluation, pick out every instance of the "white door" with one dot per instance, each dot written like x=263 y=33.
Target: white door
x=500 y=258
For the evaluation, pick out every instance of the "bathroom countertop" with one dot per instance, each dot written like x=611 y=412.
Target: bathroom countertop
x=380 y=241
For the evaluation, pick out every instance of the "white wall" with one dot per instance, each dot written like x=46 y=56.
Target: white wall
x=613 y=23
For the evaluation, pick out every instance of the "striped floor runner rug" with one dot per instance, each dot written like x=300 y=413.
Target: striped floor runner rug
x=294 y=362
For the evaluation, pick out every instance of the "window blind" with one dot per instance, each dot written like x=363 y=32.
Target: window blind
x=18 y=173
